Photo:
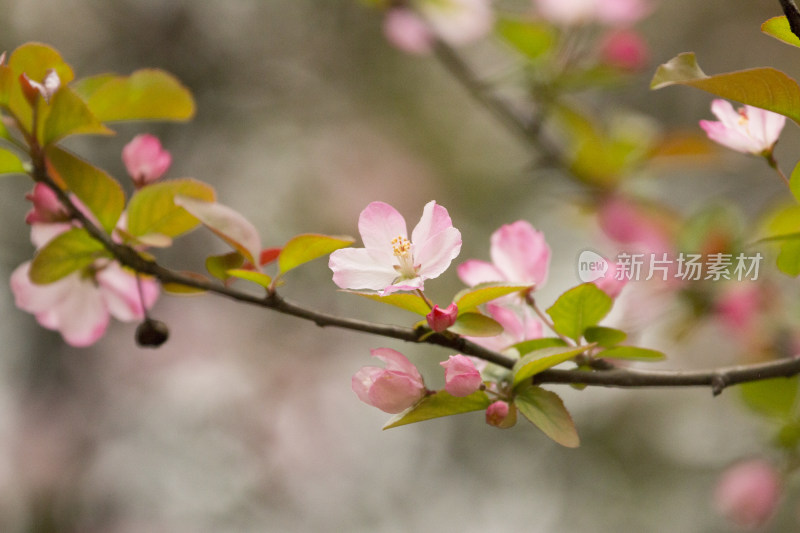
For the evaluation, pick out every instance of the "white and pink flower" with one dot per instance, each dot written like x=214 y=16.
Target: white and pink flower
x=748 y=493
x=749 y=130
x=79 y=305
x=609 y=12
x=392 y=389
x=390 y=261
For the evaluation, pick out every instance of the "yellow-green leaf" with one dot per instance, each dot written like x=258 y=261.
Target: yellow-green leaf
x=67 y=115
x=180 y=289
x=526 y=347
x=408 y=301
x=547 y=412
x=476 y=325
x=437 y=405
x=775 y=398
x=152 y=209
x=218 y=265
x=251 y=275
x=144 y=95
x=542 y=359
x=10 y=163
x=606 y=337
x=579 y=308
x=632 y=353
x=72 y=250
x=98 y=191
x=532 y=38
x=470 y=298
x=765 y=87
x=307 y=247
x=778 y=27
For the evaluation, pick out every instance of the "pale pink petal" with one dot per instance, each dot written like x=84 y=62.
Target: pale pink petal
x=397 y=362
x=393 y=392
x=362 y=268
x=609 y=283
x=748 y=493
x=730 y=138
x=363 y=380
x=567 y=12
x=458 y=22
x=405 y=30
x=460 y=375
x=615 y=12
x=121 y=292
x=41 y=234
x=475 y=272
x=764 y=126
x=434 y=220
x=436 y=254
x=513 y=328
x=725 y=112
x=520 y=253
x=378 y=224
x=83 y=317
x=406 y=285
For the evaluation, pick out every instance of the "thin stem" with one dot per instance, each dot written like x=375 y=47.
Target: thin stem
x=772 y=162
x=546 y=320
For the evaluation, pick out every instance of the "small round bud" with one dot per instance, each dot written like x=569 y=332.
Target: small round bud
x=151 y=333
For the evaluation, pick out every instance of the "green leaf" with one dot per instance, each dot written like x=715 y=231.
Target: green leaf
x=531 y=38
x=227 y=224
x=789 y=257
x=69 y=115
x=766 y=88
x=542 y=359
x=183 y=290
x=778 y=27
x=98 y=191
x=218 y=265
x=526 y=347
x=144 y=95
x=476 y=325
x=632 y=352
x=579 y=308
x=775 y=398
x=547 y=412
x=307 y=247
x=152 y=209
x=70 y=251
x=605 y=337
x=251 y=275
x=437 y=405
x=408 y=301
x=470 y=298
x=10 y=163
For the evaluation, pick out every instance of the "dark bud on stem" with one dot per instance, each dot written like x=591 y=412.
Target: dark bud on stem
x=151 y=333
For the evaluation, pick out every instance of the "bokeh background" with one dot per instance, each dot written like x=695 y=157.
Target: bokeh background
x=244 y=421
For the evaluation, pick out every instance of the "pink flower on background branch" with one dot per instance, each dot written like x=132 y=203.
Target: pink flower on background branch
x=749 y=130
x=390 y=261
x=145 y=159
x=392 y=389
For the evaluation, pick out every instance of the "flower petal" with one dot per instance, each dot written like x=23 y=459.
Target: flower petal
x=434 y=220
x=475 y=272
x=362 y=268
x=378 y=224
x=121 y=293
x=520 y=253
x=397 y=362
x=437 y=252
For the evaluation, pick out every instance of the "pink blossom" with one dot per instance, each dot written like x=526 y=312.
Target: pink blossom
x=739 y=306
x=625 y=50
x=609 y=282
x=519 y=255
x=145 y=159
x=440 y=319
x=748 y=130
x=456 y=22
x=610 y=12
x=391 y=262
x=501 y=415
x=460 y=376
x=406 y=30
x=630 y=223
x=47 y=209
x=748 y=493
x=78 y=305
x=392 y=389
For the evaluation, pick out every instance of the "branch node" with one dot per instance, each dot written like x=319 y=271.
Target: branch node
x=718 y=383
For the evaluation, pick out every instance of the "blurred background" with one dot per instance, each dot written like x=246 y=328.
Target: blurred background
x=244 y=421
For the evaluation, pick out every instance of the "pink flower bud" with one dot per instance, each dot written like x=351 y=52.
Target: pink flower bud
x=460 y=376
x=624 y=49
x=501 y=415
x=748 y=493
x=145 y=159
x=440 y=319
x=392 y=389
x=46 y=207
x=31 y=89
